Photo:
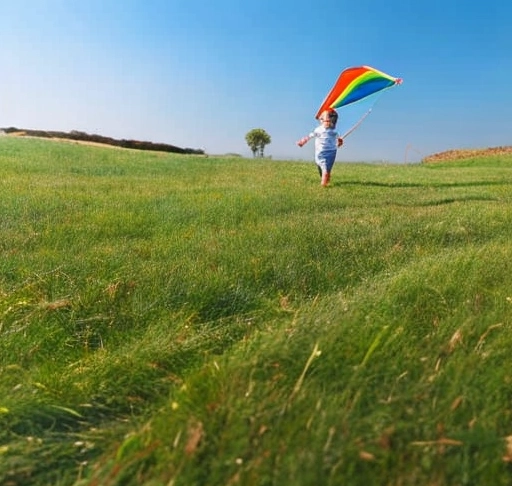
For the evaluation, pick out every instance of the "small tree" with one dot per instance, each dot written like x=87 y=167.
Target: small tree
x=257 y=138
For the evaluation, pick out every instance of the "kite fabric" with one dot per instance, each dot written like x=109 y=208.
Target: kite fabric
x=354 y=84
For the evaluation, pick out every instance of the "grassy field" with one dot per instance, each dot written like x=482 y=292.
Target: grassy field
x=178 y=320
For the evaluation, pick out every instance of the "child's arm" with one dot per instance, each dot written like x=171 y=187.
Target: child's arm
x=303 y=140
x=339 y=142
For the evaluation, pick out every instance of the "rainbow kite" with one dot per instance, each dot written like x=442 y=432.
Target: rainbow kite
x=354 y=84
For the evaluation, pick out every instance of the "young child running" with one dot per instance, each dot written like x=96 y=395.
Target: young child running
x=327 y=142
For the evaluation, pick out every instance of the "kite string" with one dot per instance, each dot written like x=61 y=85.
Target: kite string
x=350 y=130
x=346 y=134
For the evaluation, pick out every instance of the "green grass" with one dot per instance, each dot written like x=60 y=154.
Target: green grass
x=181 y=320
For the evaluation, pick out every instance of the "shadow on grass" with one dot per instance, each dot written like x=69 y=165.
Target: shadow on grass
x=418 y=184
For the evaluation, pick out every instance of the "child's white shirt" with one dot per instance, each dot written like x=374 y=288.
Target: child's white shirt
x=325 y=138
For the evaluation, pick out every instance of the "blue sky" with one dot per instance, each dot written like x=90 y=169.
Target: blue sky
x=202 y=74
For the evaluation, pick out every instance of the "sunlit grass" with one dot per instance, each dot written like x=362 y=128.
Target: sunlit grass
x=186 y=320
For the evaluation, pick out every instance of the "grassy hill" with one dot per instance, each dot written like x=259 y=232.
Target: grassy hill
x=179 y=320
x=82 y=137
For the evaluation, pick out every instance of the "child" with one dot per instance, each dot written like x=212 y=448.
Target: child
x=327 y=141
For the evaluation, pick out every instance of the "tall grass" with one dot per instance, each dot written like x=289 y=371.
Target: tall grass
x=181 y=320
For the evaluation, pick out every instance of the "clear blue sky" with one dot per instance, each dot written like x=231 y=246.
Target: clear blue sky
x=201 y=74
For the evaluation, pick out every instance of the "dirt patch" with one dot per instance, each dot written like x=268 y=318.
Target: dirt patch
x=467 y=153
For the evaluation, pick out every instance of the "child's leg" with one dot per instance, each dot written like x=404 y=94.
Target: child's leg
x=329 y=162
x=321 y=164
x=325 y=160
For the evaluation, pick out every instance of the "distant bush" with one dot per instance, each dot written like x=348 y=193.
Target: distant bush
x=230 y=154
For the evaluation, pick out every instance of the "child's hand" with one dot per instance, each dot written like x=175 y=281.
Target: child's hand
x=340 y=142
x=302 y=141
